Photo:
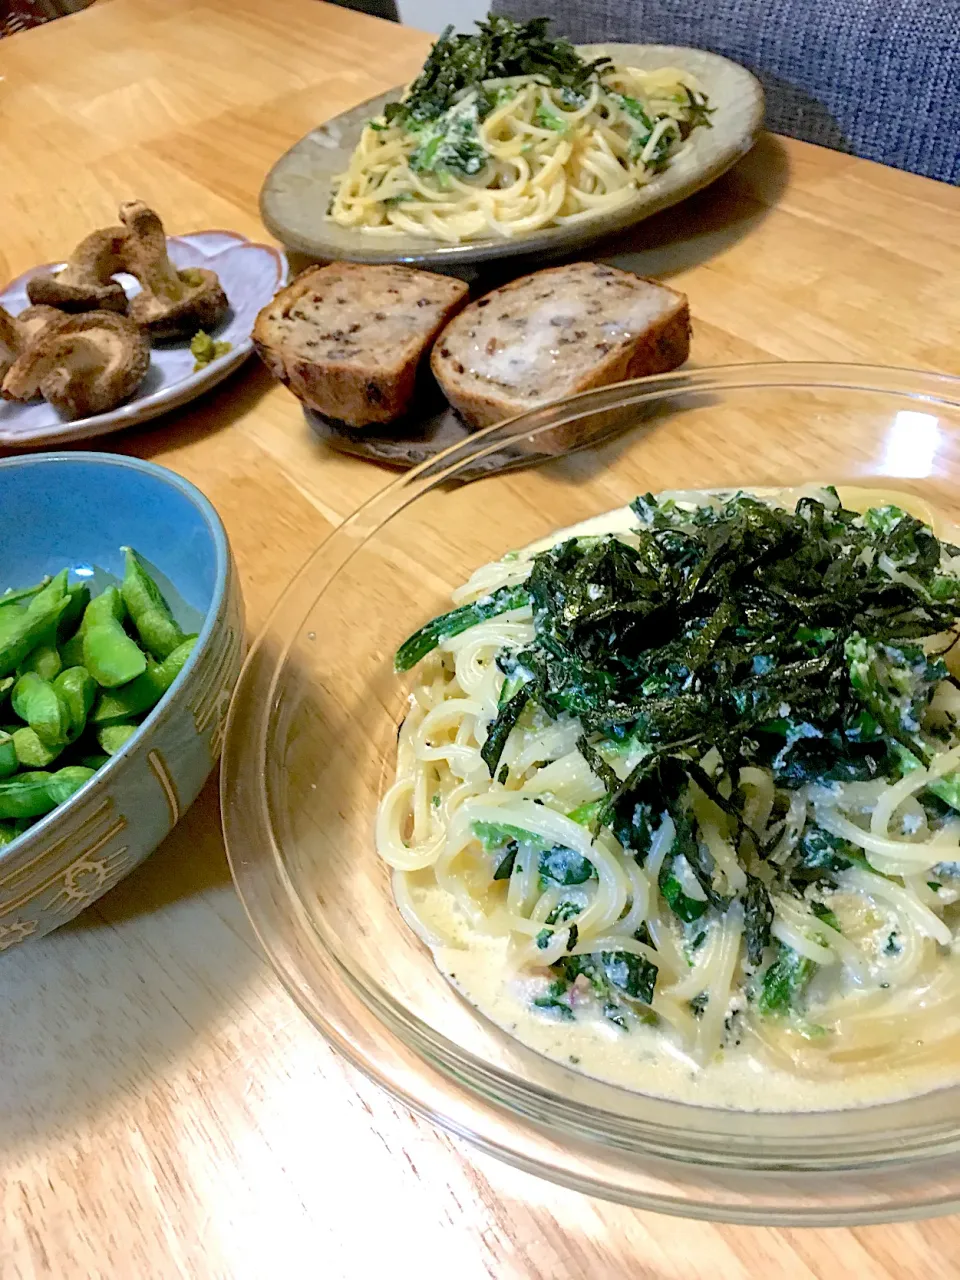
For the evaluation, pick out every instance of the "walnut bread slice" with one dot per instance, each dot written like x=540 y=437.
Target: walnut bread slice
x=556 y=332
x=349 y=340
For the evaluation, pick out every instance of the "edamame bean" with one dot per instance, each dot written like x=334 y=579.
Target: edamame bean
x=71 y=651
x=107 y=606
x=32 y=794
x=8 y=755
x=78 y=689
x=95 y=762
x=22 y=631
x=155 y=624
x=52 y=593
x=78 y=597
x=109 y=654
x=114 y=737
x=144 y=692
x=44 y=660
x=18 y=595
x=39 y=705
x=32 y=753
x=58 y=648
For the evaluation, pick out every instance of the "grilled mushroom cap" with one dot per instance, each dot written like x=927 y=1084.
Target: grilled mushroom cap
x=82 y=364
x=16 y=332
x=173 y=303
x=85 y=283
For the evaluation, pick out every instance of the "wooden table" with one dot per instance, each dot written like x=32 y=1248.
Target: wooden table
x=166 y=1111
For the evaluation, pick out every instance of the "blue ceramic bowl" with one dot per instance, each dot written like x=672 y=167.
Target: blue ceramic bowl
x=78 y=509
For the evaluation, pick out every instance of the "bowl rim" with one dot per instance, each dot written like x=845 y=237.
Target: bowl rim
x=243 y=760
x=35 y=836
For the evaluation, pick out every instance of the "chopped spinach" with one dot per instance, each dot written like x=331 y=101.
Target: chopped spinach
x=497 y=835
x=683 y=907
x=635 y=976
x=784 y=981
x=823 y=912
x=563 y=911
x=820 y=854
x=555 y=1005
x=450 y=143
x=505 y=866
x=561 y=865
x=614 y=1013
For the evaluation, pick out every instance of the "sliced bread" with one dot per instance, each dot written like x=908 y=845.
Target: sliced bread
x=556 y=332
x=348 y=340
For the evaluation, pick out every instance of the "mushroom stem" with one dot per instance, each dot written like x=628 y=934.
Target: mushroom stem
x=171 y=303
x=147 y=252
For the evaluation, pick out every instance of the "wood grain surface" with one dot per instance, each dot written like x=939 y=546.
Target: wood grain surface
x=164 y=1109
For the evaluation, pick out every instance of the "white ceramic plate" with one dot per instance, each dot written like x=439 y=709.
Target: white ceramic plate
x=295 y=195
x=250 y=274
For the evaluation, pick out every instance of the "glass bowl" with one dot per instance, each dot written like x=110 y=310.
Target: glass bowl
x=310 y=747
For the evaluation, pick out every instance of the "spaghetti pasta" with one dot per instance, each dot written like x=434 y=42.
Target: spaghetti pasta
x=808 y=910
x=509 y=154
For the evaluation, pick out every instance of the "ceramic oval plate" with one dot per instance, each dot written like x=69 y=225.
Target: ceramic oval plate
x=297 y=190
x=250 y=274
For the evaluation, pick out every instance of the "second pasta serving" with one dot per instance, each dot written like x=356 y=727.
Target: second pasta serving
x=508 y=131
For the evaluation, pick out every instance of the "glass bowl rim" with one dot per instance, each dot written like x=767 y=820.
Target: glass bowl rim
x=521 y=1099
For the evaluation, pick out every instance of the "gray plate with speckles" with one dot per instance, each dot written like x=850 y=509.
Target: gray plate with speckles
x=297 y=190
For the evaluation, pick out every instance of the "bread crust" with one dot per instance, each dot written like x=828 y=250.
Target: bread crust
x=350 y=340
x=660 y=345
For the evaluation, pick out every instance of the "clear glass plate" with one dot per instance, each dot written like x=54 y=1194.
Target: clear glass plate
x=310 y=747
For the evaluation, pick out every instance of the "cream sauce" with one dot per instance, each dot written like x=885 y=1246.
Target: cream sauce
x=643 y=1059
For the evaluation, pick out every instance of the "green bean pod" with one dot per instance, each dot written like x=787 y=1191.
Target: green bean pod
x=71 y=651
x=107 y=606
x=39 y=705
x=95 y=761
x=32 y=794
x=22 y=631
x=8 y=755
x=78 y=598
x=31 y=751
x=54 y=591
x=18 y=595
x=114 y=737
x=155 y=624
x=78 y=689
x=145 y=692
x=44 y=660
x=109 y=654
